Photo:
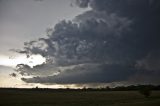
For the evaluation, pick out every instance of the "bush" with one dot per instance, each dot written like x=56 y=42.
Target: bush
x=146 y=91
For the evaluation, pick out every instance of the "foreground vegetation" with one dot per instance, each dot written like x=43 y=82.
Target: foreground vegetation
x=14 y=97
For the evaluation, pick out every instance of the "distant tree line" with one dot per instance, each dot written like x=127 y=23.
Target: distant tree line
x=107 y=88
x=145 y=90
x=133 y=87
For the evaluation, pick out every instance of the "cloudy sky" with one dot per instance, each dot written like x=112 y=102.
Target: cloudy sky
x=74 y=43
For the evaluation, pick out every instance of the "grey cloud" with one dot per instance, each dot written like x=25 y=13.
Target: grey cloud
x=83 y=3
x=39 y=70
x=123 y=7
x=150 y=62
x=145 y=77
x=88 y=74
x=119 y=36
x=74 y=43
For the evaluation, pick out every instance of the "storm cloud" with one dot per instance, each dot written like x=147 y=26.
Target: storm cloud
x=113 y=41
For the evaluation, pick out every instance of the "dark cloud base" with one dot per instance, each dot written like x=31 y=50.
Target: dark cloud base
x=88 y=74
x=114 y=41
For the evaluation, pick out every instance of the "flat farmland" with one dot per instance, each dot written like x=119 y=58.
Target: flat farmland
x=77 y=98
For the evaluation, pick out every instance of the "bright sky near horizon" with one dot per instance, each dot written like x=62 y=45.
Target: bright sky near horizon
x=25 y=20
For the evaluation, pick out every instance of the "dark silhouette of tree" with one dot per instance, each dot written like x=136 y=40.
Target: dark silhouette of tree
x=36 y=87
x=146 y=91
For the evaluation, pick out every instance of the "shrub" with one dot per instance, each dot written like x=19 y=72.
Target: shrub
x=146 y=91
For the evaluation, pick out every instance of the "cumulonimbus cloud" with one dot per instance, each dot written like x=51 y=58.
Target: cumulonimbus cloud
x=116 y=35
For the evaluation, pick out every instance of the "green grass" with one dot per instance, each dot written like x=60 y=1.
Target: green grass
x=77 y=98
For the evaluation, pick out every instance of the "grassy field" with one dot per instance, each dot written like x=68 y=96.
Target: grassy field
x=77 y=98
